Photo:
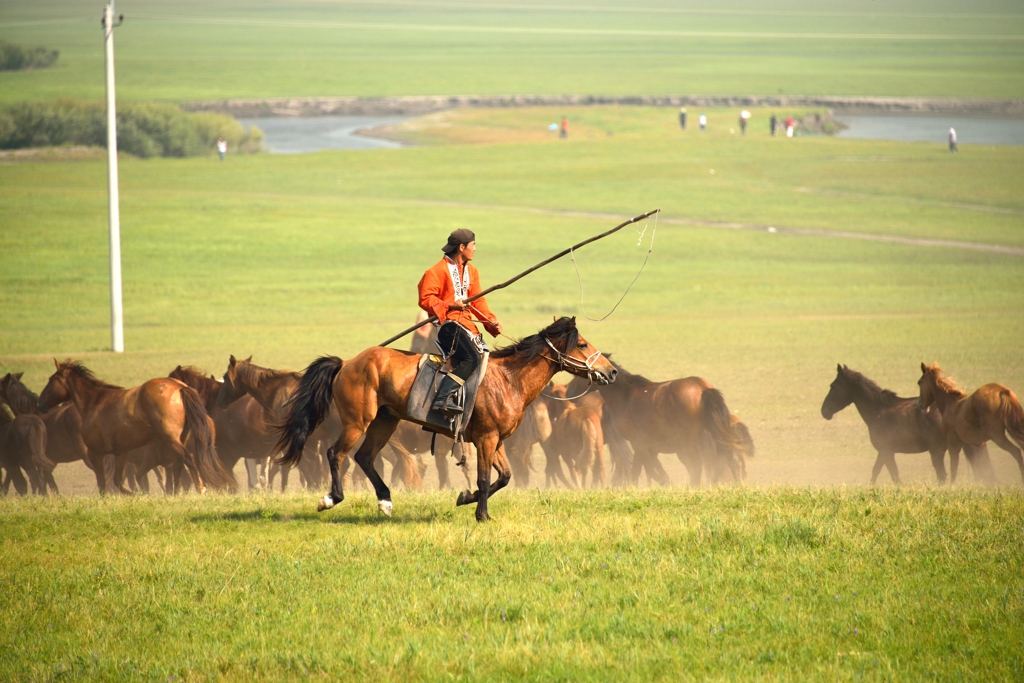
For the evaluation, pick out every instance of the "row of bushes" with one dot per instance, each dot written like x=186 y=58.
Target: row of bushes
x=144 y=130
x=14 y=57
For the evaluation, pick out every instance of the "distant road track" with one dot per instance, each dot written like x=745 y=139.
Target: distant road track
x=805 y=232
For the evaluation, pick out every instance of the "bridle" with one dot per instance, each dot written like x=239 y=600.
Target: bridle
x=569 y=363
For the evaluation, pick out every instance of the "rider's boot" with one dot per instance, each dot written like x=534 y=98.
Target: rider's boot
x=447 y=396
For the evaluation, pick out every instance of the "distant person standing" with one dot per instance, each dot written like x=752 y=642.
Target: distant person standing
x=773 y=123
x=789 y=126
x=563 y=130
x=952 y=140
x=703 y=121
x=222 y=148
x=682 y=118
x=744 y=117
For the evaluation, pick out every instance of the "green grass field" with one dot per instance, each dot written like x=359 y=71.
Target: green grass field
x=777 y=584
x=191 y=50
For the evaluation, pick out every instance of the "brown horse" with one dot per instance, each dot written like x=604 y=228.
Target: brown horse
x=116 y=420
x=576 y=436
x=371 y=392
x=687 y=417
x=272 y=390
x=63 y=425
x=620 y=450
x=990 y=413
x=895 y=425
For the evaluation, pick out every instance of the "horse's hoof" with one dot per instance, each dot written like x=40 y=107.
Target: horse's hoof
x=385 y=506
x=464 y=497
x=483 y=517
x=326 y=503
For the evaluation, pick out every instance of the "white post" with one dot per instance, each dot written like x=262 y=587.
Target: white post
x=116 y=317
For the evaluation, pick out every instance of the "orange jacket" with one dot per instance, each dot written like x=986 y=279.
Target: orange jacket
x=437 y=292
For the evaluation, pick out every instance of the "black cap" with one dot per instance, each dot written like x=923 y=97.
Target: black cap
x=460 y=236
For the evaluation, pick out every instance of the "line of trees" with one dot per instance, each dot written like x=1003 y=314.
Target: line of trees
x=14 y=57
x=144 y=130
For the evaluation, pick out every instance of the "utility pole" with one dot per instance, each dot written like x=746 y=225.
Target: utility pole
x=116 y=315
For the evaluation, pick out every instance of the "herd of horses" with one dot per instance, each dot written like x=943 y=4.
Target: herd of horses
x=191 y=429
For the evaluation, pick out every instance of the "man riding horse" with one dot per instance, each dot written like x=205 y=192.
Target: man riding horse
x=443 y=289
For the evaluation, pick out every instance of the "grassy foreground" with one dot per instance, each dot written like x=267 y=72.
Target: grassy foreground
x=215 y=49
x=786 y=584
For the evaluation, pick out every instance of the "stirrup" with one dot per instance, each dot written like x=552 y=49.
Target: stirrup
x=448 y=404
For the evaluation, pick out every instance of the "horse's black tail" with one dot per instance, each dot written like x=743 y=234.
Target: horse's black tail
x=198 y=437
x=308 y=407
x=718 y=423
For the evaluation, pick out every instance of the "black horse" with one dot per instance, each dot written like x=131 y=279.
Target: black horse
x=895 y=425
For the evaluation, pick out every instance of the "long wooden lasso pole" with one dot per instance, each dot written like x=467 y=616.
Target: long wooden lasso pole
x=506 y=283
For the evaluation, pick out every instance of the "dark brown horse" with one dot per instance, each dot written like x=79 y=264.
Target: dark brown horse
x=272 y=390
x=23 y=447
x=371 y=391
x=895 y=425
x=116 y=420
x=991 y=413
x=63 y=425
x=687 y=417
x=243 y=428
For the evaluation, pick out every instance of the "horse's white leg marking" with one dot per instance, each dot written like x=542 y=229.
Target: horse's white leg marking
x=385 y=507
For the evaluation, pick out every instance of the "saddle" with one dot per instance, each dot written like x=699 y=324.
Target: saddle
x=432 y=369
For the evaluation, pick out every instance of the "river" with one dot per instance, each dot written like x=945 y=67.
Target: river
x=297 y=135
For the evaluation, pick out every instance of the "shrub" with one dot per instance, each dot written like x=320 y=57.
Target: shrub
x=16 y=58
x=144 y=130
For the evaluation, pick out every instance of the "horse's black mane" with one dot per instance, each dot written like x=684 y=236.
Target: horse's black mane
x=562 y=333
x=76 y=368
x=872 y=391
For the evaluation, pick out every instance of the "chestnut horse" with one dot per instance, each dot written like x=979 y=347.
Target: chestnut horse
x=991 y=412
x=535 y=428
x=687 y=417
x=371 y=392
x=117 y=420
x=895 y=425
x=576 y=436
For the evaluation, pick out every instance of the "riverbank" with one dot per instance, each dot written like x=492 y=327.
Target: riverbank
x=418 y=106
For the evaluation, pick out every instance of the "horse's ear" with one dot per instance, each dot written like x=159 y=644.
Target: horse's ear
x=56 y=363
x=924 y=368
x=231 y=361
x=249 y=359
x=18 y=375
x=177 y=369
x=839 y=367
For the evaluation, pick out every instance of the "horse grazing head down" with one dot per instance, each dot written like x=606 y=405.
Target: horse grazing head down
x=562 y=344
